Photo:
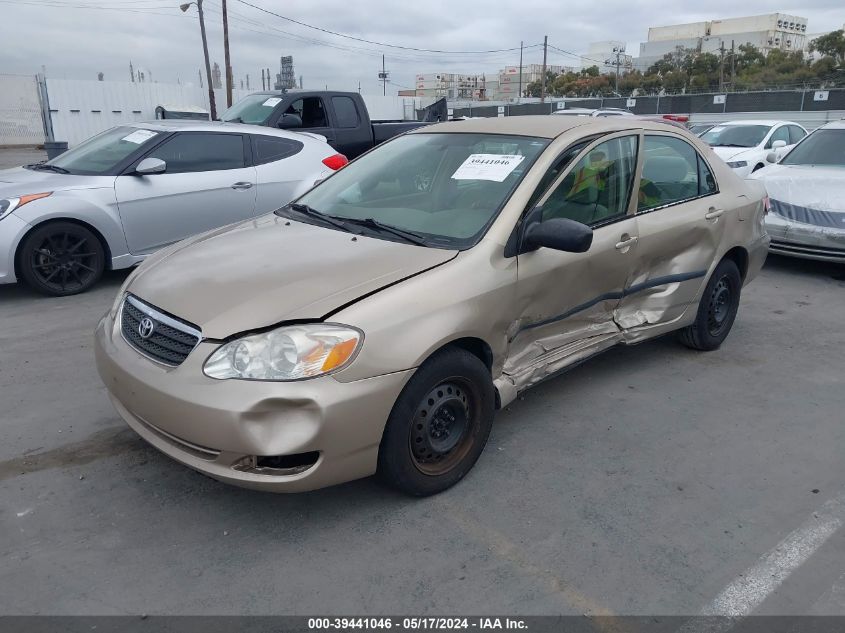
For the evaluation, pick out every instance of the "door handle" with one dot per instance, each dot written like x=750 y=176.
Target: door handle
x=242 y=185
x=626 y=242
x=712 y=214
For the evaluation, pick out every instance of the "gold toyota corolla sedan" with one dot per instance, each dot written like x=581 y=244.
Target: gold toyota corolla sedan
x=377 y=323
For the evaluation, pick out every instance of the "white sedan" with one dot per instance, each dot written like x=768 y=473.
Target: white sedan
x=744 y=145
x=807 y=197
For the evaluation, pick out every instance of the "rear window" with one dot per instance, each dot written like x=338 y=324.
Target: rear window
x=272 y=148
x=346 y=112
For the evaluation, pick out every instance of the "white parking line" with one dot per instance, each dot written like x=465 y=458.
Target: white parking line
x=747 y=592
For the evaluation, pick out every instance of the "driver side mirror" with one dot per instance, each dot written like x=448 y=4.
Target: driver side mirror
x=151 y=166
x=772 y=158
x=289 y=122
x=778 y=144
x=559 y=234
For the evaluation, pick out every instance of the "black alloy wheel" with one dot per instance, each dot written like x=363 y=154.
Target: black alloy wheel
x=61 y=258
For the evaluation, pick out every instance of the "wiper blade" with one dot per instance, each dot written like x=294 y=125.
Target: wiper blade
x=311 y=212
x=730 y=145
x=408 y=236
x=46 y=167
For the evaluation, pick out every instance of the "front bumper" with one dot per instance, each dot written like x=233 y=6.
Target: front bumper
x=213 y=425
x=807 y=241
x=12 y=230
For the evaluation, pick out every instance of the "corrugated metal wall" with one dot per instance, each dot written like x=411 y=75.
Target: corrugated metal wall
x=20 y=111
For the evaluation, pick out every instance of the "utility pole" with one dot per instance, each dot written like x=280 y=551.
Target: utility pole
x=199 y=74
x=545 y=54
x=722 y=66
x=733 y=65
x=247 y=81
x=131 y=71
x=383 y=77
x=226 y=59
x=519 y=94
x=262 y=80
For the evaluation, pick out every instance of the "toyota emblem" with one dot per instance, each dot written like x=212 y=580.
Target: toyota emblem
x=146 y=327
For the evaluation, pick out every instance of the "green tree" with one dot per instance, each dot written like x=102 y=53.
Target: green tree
x=831 y=45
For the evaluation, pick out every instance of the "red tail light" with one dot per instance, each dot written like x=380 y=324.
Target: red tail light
x=767 y=205
x=680 y=118
x=335 y=162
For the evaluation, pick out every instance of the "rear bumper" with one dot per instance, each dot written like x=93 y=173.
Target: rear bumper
x=805 y=240
x=12 y=230
x=216 y=426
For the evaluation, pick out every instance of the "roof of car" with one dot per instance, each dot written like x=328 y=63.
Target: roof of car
x=834 y=125
x=188 y=125
x=542 y=126
x=756 y=122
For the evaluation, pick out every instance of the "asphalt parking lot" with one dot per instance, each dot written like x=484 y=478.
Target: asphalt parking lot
x=650 y=480
x=644 y=481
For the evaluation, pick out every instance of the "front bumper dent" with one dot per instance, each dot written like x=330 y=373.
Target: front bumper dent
x=214 y=426
x=806 y=241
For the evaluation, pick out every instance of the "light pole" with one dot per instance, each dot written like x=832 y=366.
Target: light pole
x=229 y=78
x=212 y=107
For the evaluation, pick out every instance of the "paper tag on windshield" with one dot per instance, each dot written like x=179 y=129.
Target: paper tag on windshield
x=271 y=102
x=139 y=136
x=495 y=167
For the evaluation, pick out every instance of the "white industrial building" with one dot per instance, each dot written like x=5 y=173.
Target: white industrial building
x=766 y=32
x=502 y=86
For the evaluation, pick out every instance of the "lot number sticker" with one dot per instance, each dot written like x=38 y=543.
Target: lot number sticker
x=139 y=136
x=495 y=167
x=271 y=102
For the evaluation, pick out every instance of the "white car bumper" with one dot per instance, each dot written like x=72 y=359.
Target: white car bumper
x=12 y=230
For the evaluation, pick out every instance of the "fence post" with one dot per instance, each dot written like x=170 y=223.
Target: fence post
x=44 y=101
x=657 y=108
x=803 y=94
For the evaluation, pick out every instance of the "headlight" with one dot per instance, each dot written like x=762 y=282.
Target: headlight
x=737 y=164
x=7 y=205
x=288 y=353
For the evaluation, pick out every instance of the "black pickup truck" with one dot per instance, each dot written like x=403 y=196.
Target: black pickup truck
x=341 y=117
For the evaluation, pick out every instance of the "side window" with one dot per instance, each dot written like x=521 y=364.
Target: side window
x=310 y=110
x=555 y=170
x=597 y=189
x=270 y=148
x=346 y=112
x=189 y=152
x=706 y=181
x=780 y=134
x=670 y=172
x=795 y=134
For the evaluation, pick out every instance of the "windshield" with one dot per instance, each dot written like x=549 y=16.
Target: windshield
x=445 y=188
x=736 y=135
x=822 y=147
x=254 y=109
x=102 y=154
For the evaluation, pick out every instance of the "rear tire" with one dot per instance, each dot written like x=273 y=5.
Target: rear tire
x=60 y=259
x=439 y=424
x=716 y=310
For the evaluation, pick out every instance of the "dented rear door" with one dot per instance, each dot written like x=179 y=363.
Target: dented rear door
x=681 y=218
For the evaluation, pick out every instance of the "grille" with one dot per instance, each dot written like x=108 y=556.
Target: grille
x=171 y=340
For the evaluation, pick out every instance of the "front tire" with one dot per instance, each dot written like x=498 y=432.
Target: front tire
x=716 y=310
x=439 y=424
x=60 y=259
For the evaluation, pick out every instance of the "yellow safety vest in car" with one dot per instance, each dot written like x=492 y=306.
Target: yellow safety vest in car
x=593 y=175
x=648 y=195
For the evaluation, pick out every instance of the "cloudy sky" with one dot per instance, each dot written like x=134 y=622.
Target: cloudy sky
x=79 y=38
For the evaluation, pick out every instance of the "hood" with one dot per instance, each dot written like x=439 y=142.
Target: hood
x=20 y=181
x=731 y=153
x=272 y=269
x=818 y=188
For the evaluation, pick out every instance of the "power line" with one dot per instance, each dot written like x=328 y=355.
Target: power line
x=366 y=41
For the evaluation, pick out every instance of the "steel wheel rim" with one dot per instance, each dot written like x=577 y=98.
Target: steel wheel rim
x=719 y=309
x=444 y=426
x=64 y=261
